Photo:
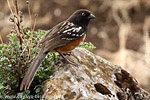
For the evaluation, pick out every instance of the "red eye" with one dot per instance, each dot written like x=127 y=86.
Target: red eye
x=83 y=14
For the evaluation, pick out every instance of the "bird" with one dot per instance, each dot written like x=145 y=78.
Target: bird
x=64 y=37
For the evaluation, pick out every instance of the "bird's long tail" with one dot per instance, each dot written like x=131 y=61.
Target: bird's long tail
x=27 y=80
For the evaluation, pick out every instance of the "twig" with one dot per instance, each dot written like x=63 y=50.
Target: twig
x=37 y=47
x=10 y=7
x=27 y=2
x=31 y=37
x=16 y=9
x=18 y=17
x=17 y=23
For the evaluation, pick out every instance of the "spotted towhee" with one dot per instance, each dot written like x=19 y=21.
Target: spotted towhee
x=63 y=37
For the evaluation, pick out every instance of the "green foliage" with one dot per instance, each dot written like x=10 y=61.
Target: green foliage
x=14 y=61
x=16 y=57
x=24 y=95
x=88 y=46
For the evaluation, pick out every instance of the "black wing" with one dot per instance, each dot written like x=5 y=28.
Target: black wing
x=61 y=34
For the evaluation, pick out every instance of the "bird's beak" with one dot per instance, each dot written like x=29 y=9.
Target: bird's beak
x=91 y=16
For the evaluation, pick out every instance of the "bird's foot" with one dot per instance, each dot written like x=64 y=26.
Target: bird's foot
x=65 y=60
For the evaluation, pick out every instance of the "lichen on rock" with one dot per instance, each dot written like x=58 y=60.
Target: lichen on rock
x=94 y=79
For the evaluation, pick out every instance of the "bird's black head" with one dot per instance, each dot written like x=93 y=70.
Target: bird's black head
x=81 y=17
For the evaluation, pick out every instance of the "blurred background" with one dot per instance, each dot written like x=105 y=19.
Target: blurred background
x=120 y=31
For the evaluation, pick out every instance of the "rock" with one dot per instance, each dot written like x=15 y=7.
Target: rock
x=94 y=79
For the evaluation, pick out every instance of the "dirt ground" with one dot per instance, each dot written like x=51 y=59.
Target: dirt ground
x=120 y=31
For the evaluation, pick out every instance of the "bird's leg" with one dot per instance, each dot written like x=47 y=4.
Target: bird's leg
x=66 y=60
